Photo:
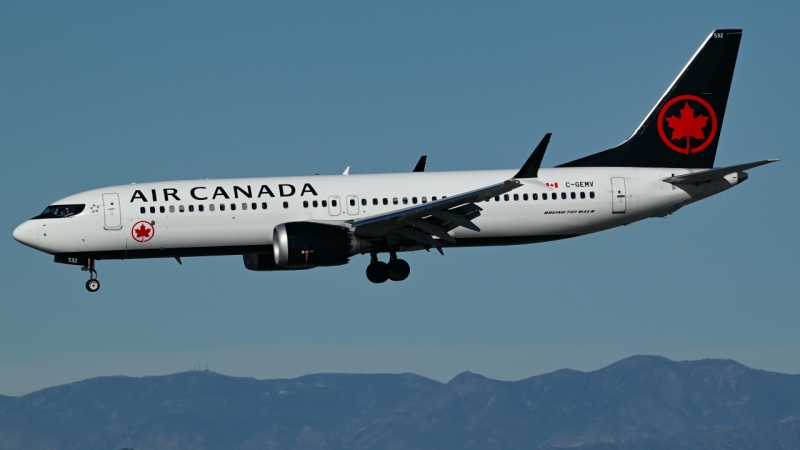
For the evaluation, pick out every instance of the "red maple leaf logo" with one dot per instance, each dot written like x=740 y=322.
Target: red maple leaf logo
x=142 y=232
x=687 y=126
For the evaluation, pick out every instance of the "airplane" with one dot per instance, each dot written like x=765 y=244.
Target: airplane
x=303 y=222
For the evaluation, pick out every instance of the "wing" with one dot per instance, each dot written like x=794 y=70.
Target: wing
x=420 y=167
x=421 y=222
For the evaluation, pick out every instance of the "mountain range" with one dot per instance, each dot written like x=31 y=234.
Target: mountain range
x=641 y=402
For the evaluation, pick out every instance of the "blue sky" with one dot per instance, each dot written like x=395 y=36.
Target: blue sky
x=97 y=94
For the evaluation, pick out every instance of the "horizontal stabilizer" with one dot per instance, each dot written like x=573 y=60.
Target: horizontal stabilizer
x=705 y=176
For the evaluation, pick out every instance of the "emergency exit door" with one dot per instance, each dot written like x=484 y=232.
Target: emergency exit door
x=334 y=208
x=111 y=212
x=352 y=205
x=618 y=195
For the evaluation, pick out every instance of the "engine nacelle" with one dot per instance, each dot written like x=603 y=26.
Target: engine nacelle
x=260 y=262
x=298 y=245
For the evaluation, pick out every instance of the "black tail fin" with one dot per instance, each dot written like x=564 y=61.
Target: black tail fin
x=683 y=128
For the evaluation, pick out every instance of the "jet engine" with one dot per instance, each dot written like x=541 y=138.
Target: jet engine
x=261 y=262
x=300 y=245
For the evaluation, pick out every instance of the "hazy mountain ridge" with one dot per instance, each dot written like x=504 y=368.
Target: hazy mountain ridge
x=639 y=402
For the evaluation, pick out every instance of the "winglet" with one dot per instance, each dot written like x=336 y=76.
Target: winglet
x=531 y=167
x=346 y=171
x=420 y=167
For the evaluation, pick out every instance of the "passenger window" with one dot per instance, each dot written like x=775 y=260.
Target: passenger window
x=524 y=196
x=433 y=199
x=535 y=196
x=591 y=194
x=172 y=208
x=222 y=206
x=180 y=208
x=563 y=196
x=394 y=200
x=244 y=206
x=497 y=198
x=583 y=194
x=233 y=206
x=385 y=201
x=200 y=208
x=424 y=199
x=516 y=197
x=142 y=210
x=505 y=197
x=211 y=207
x=544 y=196
x=352 y=202
x=253 y=206
x=405 y=200
x=286 y=205
x=314 y=204
x=572 y=195
x=305 y=203
x=191 y=208
x=263 y=205
x=324 y=203
x=414 y=200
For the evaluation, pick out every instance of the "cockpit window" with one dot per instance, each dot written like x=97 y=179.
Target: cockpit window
x=60 y=211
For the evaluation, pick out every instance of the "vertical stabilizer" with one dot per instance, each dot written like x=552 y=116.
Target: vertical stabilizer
x=683 y=128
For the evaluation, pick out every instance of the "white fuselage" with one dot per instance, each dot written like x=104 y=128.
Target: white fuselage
x=233 y=220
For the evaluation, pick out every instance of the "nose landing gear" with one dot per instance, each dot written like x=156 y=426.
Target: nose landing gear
x=395 y=270
x=93 y=285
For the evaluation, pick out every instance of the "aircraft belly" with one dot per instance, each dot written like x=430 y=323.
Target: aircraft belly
x=525 y=220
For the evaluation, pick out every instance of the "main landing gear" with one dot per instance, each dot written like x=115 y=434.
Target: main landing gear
x=93 y=285
x=395 y=269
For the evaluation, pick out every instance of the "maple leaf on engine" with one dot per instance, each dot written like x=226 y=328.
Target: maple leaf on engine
x=142 y=232
x=687 y=125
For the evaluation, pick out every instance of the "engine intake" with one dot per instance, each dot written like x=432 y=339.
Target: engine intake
x=299 y=245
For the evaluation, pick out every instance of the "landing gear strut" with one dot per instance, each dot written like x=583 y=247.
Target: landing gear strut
x=93 y=285
x=395 y=270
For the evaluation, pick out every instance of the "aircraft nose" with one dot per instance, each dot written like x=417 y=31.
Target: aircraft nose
x=27 y=234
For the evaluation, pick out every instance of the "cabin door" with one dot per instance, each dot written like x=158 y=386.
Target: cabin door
x=618 y=195
x=111 y=212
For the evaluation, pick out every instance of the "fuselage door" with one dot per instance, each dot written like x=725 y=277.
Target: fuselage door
x=618 y=195
x=112 y=212
x=334 y=208
x=352 y=205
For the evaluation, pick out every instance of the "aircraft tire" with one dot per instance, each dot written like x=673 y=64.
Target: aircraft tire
x=398 y=270
x=378 y=272
x=92 y=285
